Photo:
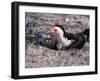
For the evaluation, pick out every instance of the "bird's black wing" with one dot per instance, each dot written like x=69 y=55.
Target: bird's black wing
x=79 y=40
x=71 y=36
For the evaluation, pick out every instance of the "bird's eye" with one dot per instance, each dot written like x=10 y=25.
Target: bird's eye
x=53 y=30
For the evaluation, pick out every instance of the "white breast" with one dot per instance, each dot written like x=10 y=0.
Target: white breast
x=61 y=38
x=65 y=41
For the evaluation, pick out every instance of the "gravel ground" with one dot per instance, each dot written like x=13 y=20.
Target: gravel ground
x=39 y=56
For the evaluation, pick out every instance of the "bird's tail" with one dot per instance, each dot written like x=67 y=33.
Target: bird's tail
x=86 y=33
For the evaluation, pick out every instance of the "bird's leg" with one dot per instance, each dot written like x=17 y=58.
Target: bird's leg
x=59 y=46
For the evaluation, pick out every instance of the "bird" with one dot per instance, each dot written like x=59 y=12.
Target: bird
x=50 y=43
x=70 y=40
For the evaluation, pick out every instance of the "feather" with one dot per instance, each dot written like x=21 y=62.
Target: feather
x=70 y=40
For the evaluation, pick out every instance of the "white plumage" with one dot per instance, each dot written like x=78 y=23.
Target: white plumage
x=60 y=36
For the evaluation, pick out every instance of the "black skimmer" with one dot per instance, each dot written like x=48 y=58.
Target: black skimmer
x=69 y=40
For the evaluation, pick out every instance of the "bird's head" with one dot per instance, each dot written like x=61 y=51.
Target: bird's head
x=57 y=29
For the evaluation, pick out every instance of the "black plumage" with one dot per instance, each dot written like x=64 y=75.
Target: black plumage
x=79 y=39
